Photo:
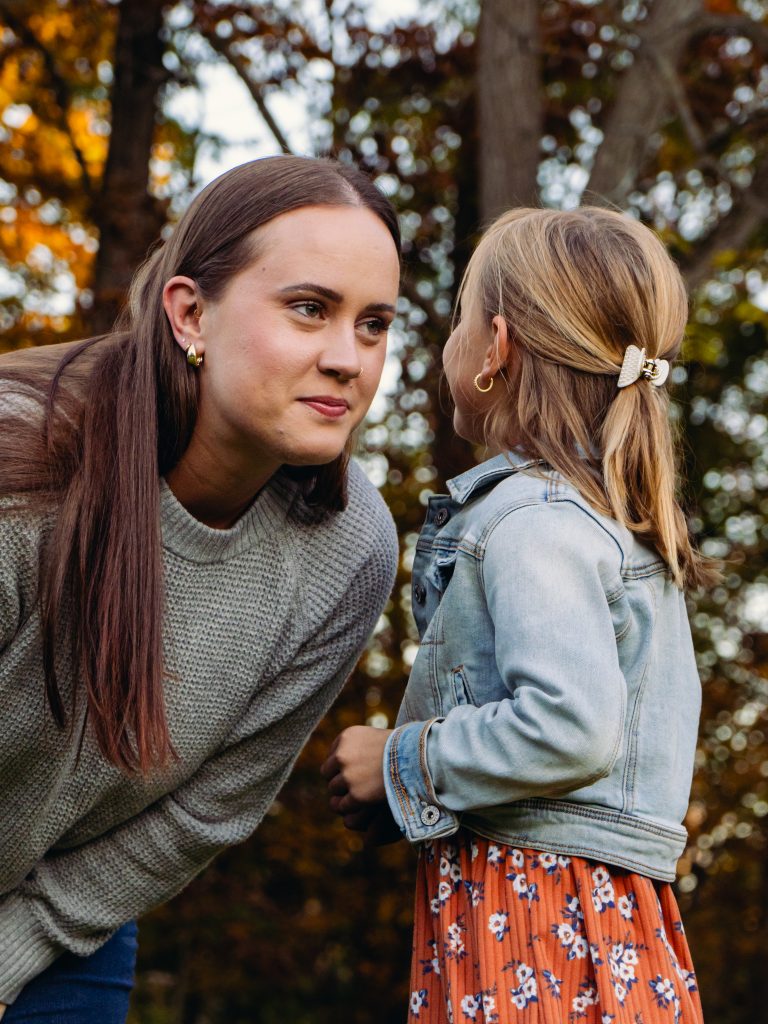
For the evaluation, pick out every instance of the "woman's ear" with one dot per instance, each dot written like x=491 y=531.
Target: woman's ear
x=498 y=351
x=182 y=307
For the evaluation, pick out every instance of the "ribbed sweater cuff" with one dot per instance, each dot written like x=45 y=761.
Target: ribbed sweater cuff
x=25 y=949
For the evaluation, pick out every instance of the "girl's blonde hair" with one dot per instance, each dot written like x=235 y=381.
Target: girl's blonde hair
x=575 y=289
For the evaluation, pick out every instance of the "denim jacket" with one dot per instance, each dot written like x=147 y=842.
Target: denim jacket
x=554 y=700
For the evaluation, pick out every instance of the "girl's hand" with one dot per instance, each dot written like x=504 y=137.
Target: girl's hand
x=354 y=772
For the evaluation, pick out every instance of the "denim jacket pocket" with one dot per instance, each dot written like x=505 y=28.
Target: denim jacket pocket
x=460 y=691
x=441 y=568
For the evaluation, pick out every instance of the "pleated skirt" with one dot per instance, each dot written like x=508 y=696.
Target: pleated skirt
x=504 y=935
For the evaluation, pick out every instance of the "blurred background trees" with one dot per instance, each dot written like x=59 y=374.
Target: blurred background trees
x=657 y=106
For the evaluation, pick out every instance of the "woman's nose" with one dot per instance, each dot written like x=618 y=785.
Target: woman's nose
x=340 y=356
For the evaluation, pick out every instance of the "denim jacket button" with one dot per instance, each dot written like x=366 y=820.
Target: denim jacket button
x=442 y=516
x=419 y=593
x=430 y=815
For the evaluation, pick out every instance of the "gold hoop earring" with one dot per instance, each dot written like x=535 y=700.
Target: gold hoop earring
x=192 y=357
x=483 y=391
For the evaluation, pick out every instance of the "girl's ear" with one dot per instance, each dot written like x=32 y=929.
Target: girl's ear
x=183 y=311
x=498 y=351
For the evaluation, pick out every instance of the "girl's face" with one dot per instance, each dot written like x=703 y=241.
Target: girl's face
x=295 y=346
x=464 y=356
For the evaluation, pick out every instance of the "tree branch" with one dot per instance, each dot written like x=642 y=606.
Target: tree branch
x=60 y=90
x=641 y=98
x=710 y=23
x=733 y=231
x=240 y=65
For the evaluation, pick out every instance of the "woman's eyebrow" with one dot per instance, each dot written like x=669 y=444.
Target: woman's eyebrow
x=319 y=289
x=333 y=296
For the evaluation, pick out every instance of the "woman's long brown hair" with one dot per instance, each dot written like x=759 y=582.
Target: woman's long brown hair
x=115 y=414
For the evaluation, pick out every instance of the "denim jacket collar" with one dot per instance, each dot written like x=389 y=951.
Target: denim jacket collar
x=488 y=473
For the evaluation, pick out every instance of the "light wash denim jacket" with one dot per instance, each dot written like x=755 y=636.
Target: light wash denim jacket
x=554 y=700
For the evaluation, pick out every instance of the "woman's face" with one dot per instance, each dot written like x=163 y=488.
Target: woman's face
x=295 y=346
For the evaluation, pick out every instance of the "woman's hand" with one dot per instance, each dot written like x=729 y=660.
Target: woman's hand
x=3 y=1008
x=355 y=774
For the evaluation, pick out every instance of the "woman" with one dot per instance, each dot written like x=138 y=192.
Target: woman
x=191 y=566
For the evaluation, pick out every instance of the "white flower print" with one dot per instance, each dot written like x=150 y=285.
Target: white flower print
x=434 y=906
x=664 y=990
x=579 y=949
x=622 y=960
x=523 y=972
x=600 y=877
x=518 y=998
x=603 y=896
x=470 y=1006
x=565 y=933
x=553 y=984
x=444 y=891
x=494 y=855
x=548 y=861
x=474 y=892
x=520 y=884
x=627 y=904
x=517 y=857
x=573 y=909
x=455 y=944
x=563 y=862
x=418 y=1000
x=475 y=851
x=527 y=989
x=497 y=923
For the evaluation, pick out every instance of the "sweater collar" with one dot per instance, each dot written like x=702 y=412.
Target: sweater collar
x=196 y=542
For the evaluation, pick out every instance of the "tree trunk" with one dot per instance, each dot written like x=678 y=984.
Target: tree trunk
x=127 y=217
x=510 y=104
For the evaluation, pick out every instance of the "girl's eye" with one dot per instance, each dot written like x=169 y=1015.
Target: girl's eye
x=309 y=308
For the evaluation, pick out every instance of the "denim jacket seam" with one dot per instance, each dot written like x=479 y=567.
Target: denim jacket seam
x=599 y=814
x=577 y=849
x=631 y=764
x=394 y=772
x=428 y=784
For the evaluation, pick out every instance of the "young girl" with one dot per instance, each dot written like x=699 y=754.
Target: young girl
x=543 y=753
x=190 y=564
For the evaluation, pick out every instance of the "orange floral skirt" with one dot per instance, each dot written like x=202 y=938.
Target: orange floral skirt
x=509 y=935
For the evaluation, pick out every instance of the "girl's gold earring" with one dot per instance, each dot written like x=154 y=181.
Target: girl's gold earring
x=483 y=390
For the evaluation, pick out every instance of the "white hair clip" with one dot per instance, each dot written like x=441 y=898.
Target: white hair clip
x=635 y=366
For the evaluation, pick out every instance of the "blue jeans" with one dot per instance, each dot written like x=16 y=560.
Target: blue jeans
x=91 y=989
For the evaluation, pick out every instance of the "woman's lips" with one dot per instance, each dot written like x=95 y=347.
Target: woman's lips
x=326 y=405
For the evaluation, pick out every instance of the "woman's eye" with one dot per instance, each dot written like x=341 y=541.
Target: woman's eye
x=309 y=309
x=375 y=328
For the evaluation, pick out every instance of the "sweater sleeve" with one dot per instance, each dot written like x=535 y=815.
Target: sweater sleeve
x=75 y=899
x=19 y=566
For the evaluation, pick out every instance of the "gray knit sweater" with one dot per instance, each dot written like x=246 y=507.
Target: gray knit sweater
x=264 y=622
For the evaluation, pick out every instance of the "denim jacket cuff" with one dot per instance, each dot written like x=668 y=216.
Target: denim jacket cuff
x=410 y=792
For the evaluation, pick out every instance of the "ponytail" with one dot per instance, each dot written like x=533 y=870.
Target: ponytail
x=640 y=475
